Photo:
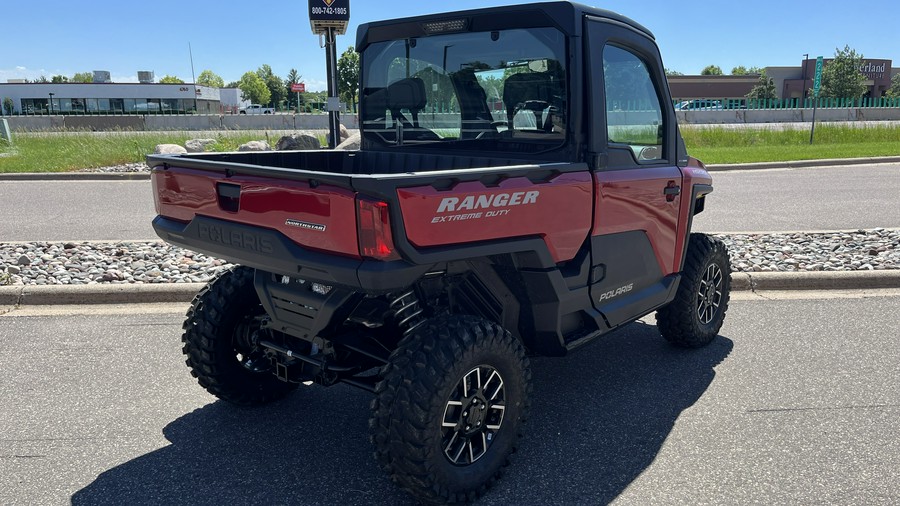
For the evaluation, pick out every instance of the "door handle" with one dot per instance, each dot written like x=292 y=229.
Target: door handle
x=671 y=191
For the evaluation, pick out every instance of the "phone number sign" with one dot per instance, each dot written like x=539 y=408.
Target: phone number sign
x=324 y=14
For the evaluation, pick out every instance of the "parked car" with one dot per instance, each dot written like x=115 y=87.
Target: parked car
x=256 y=109
x=700 y=105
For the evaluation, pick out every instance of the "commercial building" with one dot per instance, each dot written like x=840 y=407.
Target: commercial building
x=790 y=82
x=110 y=98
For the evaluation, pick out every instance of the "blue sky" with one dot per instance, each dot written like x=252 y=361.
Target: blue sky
x=67 y=36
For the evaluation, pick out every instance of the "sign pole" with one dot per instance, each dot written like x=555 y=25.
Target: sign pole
x=812 y=131
x=330 y=18
x=334 y=120
x=816 y=85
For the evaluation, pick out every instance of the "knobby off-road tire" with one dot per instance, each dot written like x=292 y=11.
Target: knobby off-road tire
x=215 y=343
x=694 y=318
x=450 y=408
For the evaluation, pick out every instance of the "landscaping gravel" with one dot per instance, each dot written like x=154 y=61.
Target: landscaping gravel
x=78 y=263
x=125 y=167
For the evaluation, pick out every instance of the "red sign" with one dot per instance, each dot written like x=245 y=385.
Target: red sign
x=298 y=87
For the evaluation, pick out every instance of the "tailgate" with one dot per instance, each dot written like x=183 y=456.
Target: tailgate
x=319 y=217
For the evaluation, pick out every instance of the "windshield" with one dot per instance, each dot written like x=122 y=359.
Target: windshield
x=498 y=91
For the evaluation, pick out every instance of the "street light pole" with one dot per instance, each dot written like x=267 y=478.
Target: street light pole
x=51 y=103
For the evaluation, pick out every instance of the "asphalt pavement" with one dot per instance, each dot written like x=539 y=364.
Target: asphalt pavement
x=845 y=197
x=76 y=210
x=750 y=200
x=795 y=403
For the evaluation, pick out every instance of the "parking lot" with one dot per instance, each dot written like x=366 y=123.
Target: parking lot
x=794 y=403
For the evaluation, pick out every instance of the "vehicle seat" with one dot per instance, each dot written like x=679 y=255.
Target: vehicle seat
x=527 y=90
x=409 y=94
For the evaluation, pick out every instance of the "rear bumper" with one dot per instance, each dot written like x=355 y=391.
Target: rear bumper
x=269 y=250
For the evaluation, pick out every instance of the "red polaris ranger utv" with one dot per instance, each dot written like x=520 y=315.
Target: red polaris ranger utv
x=521 y=189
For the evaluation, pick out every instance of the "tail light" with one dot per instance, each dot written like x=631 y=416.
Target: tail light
x=375 y=239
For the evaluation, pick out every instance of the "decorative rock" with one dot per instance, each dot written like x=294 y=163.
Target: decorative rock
x=59 y=263
x=351 y=144
x=198 y=145
x=255 y=146
x=296 y=142
x=169 y=149
x=343 y=135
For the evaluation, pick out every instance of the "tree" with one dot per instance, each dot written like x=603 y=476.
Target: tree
x=233 y=84
x=83 y=77
x=275 y=85
x=211 y=79
x=59 y=79
x=764 y=89
x=671 y=72
x=711 y=70
x=42 y=79
x=841 y=77
x=254 y=89
x=348 y=76
x=293 y=77
x=741 y=70
x=894 y=90
x=8 y=106
x=167 y=79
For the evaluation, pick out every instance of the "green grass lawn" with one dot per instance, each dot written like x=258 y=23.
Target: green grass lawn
x=60 y=152
x=721 y=145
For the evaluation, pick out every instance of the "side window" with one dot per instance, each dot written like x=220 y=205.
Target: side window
x=633 y=111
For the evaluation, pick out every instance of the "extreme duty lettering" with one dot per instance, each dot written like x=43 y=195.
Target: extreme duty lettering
x=471 y=202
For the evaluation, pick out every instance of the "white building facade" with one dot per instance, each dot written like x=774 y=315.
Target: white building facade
x=110 y=98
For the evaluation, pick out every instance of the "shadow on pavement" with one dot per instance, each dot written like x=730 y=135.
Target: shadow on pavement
x=598 y=419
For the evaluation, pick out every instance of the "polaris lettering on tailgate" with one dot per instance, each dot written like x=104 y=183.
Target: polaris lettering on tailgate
x=243 y=240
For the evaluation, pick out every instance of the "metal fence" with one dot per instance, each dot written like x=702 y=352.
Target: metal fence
x=786 y=103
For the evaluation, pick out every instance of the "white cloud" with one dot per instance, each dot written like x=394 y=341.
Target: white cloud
x=316 y=84
x=20 y=72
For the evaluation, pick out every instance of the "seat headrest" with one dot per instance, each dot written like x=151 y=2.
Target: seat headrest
x=407 y=93
x=525 y=86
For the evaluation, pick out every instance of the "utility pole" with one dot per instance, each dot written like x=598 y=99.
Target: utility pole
x=803 y=88
x=193 y=77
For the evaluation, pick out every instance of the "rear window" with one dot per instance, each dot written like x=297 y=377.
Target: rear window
x=494 y=91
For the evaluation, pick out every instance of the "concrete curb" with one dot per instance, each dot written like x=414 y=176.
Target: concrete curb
x=137 y=176
x=33 y=295
x=836 y=280
x=37 y=295
x=74 y=176
x=828 y=162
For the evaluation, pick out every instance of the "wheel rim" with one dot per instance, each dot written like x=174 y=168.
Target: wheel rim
x=473 y=415
x=247 y=353
x=710 y=294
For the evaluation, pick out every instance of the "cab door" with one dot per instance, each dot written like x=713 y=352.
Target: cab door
x=637 y=183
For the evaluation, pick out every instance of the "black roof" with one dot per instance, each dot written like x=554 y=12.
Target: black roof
x=566 y=16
